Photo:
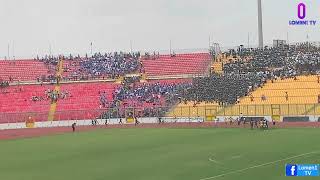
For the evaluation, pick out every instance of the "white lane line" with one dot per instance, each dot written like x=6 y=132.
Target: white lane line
x=260 y=165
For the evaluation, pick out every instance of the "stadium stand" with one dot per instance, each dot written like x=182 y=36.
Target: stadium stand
x=88 y=100
x=82 y=100
x=303 y=90
x=23 y=70
x=152 y=98
x=269 y=81
x=17 y=102
x=70 y=67
x=217 y=67
x=245 y=79
x=179 y=64
x=100 y=66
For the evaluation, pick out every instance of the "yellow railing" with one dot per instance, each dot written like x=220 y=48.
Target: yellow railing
x=247 y=110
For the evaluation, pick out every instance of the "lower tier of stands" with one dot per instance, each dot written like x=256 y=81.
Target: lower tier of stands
x=302 y=99
x=303 y=90
x=17 y=104
x=81 y=102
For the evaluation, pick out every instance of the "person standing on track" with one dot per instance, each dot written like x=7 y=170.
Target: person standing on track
x=159 y=120
x=251 y=123
x=256 y=124
x=73 y=127
x=266 y=124
x=136 y=122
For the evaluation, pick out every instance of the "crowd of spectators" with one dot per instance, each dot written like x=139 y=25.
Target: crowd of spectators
x=55 y=95
x=99 y=65
x=51 y=63
x=150 y=93
x=108 y=65
x=151 y=99
x=153 y=56
x=52 y=95
x=250 y=69
x=49 y=59
x=103 y=99
x=131 y=80
x=223 y=89
x=279 y=62
x=4 y=84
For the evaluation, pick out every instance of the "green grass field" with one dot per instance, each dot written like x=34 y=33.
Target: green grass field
x=160 y=154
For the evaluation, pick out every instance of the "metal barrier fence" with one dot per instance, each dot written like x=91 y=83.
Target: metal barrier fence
x=178 y=111
x=247 y=110
x=83 y=114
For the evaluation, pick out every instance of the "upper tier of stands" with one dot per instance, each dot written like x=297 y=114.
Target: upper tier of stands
x=195 y=63
x=22 y=70
x=104 y=66
x=101 y=66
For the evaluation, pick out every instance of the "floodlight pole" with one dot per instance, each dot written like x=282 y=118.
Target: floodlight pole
x=260 y=27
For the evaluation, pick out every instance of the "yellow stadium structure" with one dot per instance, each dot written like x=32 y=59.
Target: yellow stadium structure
x=288 y=97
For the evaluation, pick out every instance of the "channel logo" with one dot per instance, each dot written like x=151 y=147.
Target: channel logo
x=302 y=14
x=302 y=170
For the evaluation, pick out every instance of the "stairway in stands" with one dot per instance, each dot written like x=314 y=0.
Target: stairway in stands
x=217 y=67
x=57 y=87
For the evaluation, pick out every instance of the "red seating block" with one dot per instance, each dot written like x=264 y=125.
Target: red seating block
x=195 y=63
x=23 y=70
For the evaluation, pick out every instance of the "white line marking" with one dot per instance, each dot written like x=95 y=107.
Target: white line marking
x=213 y=160
x=260 y=165
x=236 y=157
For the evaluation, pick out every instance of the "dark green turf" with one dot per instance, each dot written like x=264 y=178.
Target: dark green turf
x=158 y=154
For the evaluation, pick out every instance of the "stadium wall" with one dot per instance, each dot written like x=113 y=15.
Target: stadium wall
x=151 y=120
